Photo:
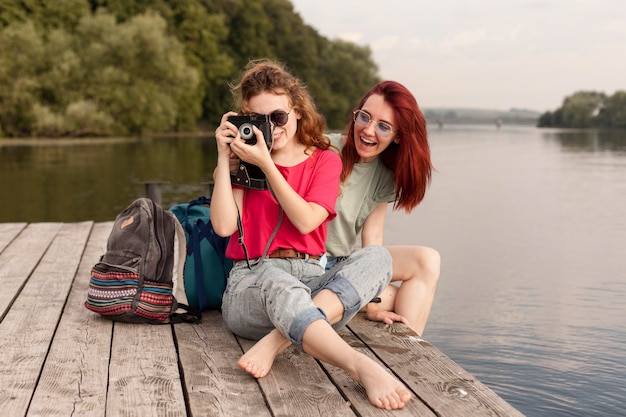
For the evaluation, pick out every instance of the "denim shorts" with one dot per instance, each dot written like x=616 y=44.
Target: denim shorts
x=278 y=294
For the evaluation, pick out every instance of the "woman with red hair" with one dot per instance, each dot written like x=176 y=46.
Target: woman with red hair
x=386 y=159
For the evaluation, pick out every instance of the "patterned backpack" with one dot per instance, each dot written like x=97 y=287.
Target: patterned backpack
x=139 y=279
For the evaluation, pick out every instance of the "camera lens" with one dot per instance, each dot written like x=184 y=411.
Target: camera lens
x=246 y=132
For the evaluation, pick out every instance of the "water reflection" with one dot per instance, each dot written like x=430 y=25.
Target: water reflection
x=95 y=180
x=587 y=140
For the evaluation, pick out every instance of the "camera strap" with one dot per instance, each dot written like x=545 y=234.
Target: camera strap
x=269 y=242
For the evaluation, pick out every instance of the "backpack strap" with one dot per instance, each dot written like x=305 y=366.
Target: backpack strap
x=188 y=315
x=195 y=236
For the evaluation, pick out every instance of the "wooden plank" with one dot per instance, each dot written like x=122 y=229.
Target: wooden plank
x=75 y=376
x=215 y=385
x=298 y=386
x=21 y=257
x=442 y=384
x=29 y=325
x=356 y=393
x=82 y=364
x=8 y=231
x=143 y=377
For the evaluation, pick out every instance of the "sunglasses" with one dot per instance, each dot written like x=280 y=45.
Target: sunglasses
x=279 y=117
x=363 y=118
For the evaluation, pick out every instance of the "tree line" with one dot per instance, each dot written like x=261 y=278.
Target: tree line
x=131 y=67
x=586 y=109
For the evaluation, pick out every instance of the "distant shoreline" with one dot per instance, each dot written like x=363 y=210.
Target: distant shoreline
x=480 y=116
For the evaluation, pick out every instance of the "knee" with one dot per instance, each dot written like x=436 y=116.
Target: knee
x=427 y=264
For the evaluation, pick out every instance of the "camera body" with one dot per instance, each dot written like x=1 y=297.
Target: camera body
x=245 y=123
x=248 y=175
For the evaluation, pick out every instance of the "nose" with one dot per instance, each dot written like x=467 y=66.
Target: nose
x=370 y=128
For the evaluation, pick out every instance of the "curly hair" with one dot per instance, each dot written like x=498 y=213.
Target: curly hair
x=409 y=155
x=263 y=75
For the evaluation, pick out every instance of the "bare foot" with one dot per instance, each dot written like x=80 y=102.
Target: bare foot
x=259 y=359
x=383 y=389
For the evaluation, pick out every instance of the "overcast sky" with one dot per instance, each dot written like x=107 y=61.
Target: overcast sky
x=490 y=54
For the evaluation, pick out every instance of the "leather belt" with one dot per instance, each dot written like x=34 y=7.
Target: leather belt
x=291 y=253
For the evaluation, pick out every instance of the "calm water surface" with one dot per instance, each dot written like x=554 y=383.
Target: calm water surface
x=531 y=226
x=530 y=223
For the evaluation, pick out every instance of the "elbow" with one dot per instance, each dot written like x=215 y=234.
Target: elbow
x=303 y=229
x=307 y=226
x=222 y=230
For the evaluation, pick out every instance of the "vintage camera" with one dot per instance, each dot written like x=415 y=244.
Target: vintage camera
x=245 y=122
x=248 y=175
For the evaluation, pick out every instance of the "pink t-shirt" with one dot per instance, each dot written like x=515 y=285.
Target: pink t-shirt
x=317 y=181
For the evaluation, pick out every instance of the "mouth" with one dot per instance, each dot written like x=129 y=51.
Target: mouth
x=367 y=142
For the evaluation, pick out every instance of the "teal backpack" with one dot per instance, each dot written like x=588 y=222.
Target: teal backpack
x=206 y=266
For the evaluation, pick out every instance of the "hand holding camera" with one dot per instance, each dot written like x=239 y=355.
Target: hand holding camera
x=248 y=174
x=245 y=124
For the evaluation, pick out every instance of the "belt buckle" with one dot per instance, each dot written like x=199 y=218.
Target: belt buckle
x=301 y=255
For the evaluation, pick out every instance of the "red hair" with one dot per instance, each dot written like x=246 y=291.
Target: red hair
x=409 y=158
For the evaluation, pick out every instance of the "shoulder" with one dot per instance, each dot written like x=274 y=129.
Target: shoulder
x=326 y=156
x=336 y=139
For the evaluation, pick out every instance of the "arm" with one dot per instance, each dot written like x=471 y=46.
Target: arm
x=305 y=216
x=225 y=199
x=372 y=233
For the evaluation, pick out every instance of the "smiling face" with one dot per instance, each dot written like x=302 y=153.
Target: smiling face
x=268 y=102
x=369 y=144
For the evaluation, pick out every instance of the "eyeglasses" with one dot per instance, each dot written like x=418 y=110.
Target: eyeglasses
x=279 y=117
x=363 y=118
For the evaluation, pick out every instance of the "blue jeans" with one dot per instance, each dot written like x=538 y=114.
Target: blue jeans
x=278 y=294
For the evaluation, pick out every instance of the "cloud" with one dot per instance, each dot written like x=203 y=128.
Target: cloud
x=385 y=43
x=517 y=53
x=616 y=26
x=461 y=43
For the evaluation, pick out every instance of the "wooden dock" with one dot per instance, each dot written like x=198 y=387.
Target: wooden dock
x=59 y=359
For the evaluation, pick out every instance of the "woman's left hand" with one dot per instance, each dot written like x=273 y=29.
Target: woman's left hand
x=374 y=313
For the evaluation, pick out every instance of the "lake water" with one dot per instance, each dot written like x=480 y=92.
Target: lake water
x=530 y=223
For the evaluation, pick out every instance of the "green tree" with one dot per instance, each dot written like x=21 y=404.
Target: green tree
x=350 y=72
x=613 y=112
x=21 y=55
x=137 y=73
x=106 y=78
x=44 y=13
x=203 y=28
x=580 y=108
x=204 y=36
x=125 y=10
x=127 y=66
x=248 y=37
x=545 y=120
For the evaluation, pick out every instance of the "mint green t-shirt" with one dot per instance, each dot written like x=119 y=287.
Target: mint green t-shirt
x=369 y=184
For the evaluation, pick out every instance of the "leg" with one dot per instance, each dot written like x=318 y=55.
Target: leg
x=383 y=390
x=350 y=286
x=418 y=269
x=259 y=359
